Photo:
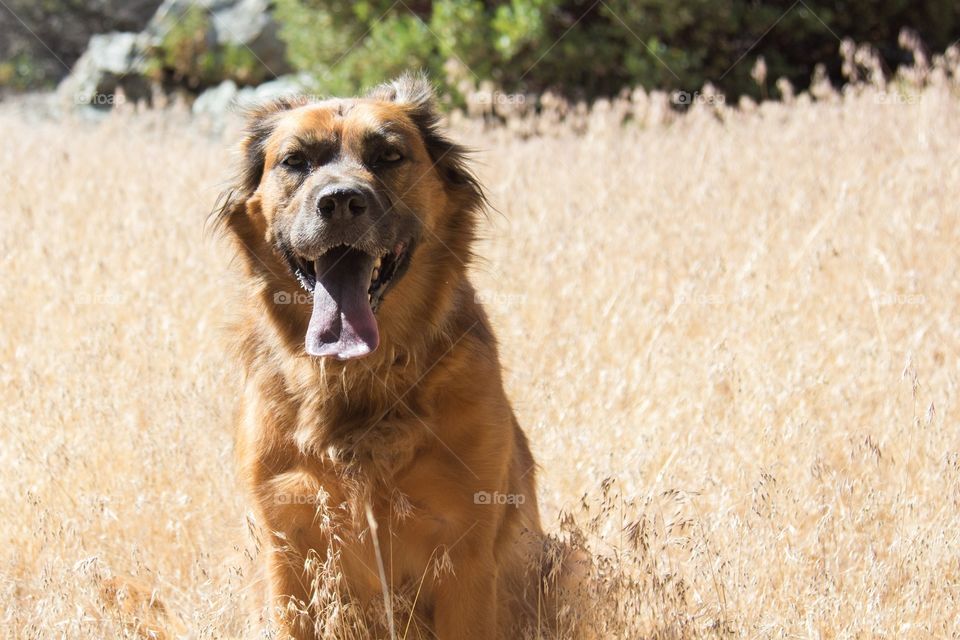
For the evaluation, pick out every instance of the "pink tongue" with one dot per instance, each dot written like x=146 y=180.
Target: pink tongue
x=342 y=322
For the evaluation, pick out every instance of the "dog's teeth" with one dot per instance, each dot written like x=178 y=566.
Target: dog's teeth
x=376 y=265
x=376 y=273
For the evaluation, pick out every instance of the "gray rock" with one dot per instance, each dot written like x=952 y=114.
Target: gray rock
x=287 y=85
x=112 y=61
x=217 y=101
x=119 y=60
x=241 y=22
x=246 y=23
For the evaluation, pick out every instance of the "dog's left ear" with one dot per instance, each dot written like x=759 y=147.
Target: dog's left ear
x=415 y=93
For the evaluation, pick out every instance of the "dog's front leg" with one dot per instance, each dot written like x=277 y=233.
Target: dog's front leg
x=297 y=553
x=289 y=594
x=466 y=601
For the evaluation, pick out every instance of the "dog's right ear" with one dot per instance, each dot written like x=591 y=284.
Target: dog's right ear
x=260 y=121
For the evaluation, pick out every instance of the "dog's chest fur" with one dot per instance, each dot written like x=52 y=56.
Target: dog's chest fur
x=350 y=467
x=366 y=429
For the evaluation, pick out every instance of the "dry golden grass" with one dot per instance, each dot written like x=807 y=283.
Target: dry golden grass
x=737 y=336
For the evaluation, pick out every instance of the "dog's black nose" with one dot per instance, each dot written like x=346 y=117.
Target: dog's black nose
x=341 y=202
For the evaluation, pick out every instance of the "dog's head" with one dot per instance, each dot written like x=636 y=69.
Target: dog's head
x=361 y=201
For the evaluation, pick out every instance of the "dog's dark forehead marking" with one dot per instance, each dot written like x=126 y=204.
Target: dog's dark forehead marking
x=335 y=117
x=308 y=139
x=335 y=112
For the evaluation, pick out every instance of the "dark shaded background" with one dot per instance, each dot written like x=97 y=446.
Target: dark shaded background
x=582 y=48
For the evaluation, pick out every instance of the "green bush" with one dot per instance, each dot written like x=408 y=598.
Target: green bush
x=588 y=49
x=187 y=57
x=582 y=48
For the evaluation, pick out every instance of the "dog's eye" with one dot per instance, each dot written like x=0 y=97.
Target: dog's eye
x=294 y=161
x=390 y=156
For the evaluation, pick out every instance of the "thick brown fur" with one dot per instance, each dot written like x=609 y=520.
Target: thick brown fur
x=405 y=471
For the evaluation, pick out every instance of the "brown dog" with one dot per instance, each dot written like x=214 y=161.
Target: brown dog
x=375 y=435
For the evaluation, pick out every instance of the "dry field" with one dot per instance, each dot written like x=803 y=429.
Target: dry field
x=734 y=343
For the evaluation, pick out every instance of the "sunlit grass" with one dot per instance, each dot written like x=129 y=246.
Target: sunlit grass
x=738 y=335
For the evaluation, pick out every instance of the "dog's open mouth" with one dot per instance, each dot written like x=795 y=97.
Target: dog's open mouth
x=348 y=286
